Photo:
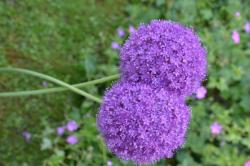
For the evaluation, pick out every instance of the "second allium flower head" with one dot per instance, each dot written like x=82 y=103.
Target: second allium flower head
x=165 y=55
x=144 y=116
x=141 y=124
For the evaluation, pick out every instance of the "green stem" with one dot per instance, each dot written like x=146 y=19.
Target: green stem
x=58 y=89
x=54 y=80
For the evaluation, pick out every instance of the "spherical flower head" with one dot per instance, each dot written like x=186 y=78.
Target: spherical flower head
x=236 y=37
x=201 y=92
x=216 y=128
x=247 y=163
x=115 y=45
x=247 y=27
x=120 y=32
x=165 y=55
x=142 y=124
x=72 y=125
x=60 y=130
x=72 y=139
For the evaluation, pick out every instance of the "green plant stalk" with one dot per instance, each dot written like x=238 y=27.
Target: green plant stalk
x=58 y=89
x=54 y=80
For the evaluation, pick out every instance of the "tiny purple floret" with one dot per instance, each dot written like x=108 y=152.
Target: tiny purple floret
x=237 y=14
x=72 y=125
x=247 y=163
x=120 y=32
x=26 y=136
x=60 y=130
x=201 y=92
x=216 y=128
x=72 y=139
x=115 y=45
x=247 y=27
x=109 y=163
x=131 y=29
x=236 y=37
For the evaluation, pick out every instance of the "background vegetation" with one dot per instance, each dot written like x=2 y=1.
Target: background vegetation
x=71 y=40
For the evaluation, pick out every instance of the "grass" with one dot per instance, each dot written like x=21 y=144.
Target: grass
x=56 y=38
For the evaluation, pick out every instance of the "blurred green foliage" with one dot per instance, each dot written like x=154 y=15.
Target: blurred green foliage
x=71 y=40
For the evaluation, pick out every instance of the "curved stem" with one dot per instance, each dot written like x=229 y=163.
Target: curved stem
x=58 y=89
x=54 y=80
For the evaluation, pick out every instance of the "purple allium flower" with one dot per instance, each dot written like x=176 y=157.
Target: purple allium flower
x=237 y=14
x=201 y=92
x=120 y=32
x=216 y=128
x=60 y=130
x=142 y=124
x=72 y=139
x=166 y=55
x=247 y=27
x=72 y=125
x=131 y=29
x=26 y=135
x=115 y=45
x=109 y=163
x=247 y=163
x=236 y=37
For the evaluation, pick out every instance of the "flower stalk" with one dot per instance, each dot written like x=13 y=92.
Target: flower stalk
x=65 y=86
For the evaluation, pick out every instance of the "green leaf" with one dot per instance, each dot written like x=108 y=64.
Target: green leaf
x=141 y=13
x=245 y=103
x=207 y=14
x=46 y=144
x=160 y=2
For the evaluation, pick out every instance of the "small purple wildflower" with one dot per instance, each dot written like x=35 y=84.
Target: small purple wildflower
x=216 y=128
x=120 y=32
x=247 y=163
x=237 y=14
x=26 y=136
x=109 y=163
x=72 y=125
x=164 y=54
x=131 y=29
x=60 y=130
x=201 y=92
x=72 y=139
x=236 y=37
x=142 y=124
x=115 y=45
x=247 y=27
